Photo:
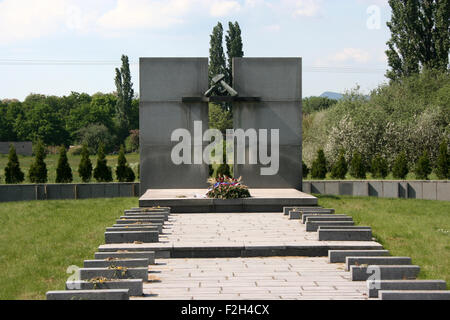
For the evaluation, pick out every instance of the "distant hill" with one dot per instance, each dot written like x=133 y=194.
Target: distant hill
x=332 y=95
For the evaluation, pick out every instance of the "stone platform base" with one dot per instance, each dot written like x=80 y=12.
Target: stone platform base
x=193 y=201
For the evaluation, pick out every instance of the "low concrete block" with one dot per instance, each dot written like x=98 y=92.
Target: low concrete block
x=375 y=286
x=159 y=226
x=385 y=261
x=121 y=294
x=134 y=286
x=339 y=256
x=295 y=215
x=414 y=295
x=131 y=236
x=344 y=228
x=378 y=272
x=345 y=235
x=155 y=209
x=116 y=262
x=142 y=221
x=144 y=217
x=147 y=215
x=318 y=214
x=118 y=229
x=313 y=226
x=150 y=255
x=332 y=217
x=132 y=273
x=287 y=209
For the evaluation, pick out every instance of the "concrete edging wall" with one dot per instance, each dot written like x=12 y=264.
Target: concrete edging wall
x=414 y=189
x=29 y=192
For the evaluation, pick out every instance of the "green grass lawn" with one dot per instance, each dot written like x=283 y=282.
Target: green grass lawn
x=419 y=229
x=41 y=239
x=52 y=162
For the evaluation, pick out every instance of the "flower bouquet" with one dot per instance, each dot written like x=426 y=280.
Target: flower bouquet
x=227 y=188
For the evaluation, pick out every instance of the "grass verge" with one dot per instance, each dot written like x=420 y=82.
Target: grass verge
x=419 y=229
x=41 y=239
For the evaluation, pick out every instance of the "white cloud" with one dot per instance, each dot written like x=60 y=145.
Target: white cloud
x=224 y=8
x=30 y=19
x=345 y=56
x=133 y=14
x=273 y=28
x=306 y=8
x=23 y=19
x=351 y=54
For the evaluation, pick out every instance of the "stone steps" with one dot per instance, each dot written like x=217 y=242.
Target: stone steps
x=127 y=263
x=131 y=273
x=318 y=218
x=145 y=217
x=313 y=226
x=287 y=209
x=122 y=294
x=344 y=235
x=135 y=286
x=322 y=216
x=374 y=286
x=339 y=256
x=140 y=225
x=385 y=261
x=141 y=221
x=344 y=228
x=381 y=272
x=131 y=237
x=414 y=295
x=150 y=255
x=125 y=229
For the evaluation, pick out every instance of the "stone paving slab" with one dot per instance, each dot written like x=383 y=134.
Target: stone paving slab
x=274 y=278
x=240 y=234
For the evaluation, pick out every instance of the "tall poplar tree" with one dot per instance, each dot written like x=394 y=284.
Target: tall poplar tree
x=125 y=94
x=234 y=44
x=217 y=63
x=420 y=36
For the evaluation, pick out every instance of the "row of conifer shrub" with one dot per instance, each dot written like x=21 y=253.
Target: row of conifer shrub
x=38 y=172
x=358 y=166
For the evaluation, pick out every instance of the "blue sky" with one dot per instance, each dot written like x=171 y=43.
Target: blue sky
x=58 y=46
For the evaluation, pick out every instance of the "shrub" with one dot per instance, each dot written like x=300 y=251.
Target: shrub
x=358 y=167
x=423 y=167
x=443 y=162
x=379 y=167
x=123 y=171
x=340 y=168
x=132 y=142
x=94 y=135
x=85 y=166
x=227 y=188
x=38 y=169
x=102 y=173
x=305 y=170
x=13 y=174
x=63 y=171
x=400 y=169
x=319 y=167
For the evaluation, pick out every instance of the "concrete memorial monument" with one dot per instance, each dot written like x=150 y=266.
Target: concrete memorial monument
x=266 y=142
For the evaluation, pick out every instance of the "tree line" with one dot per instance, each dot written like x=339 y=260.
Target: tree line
x=78 y=118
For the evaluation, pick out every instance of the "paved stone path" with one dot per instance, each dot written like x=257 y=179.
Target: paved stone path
x=296 y=278
x=236 y=229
